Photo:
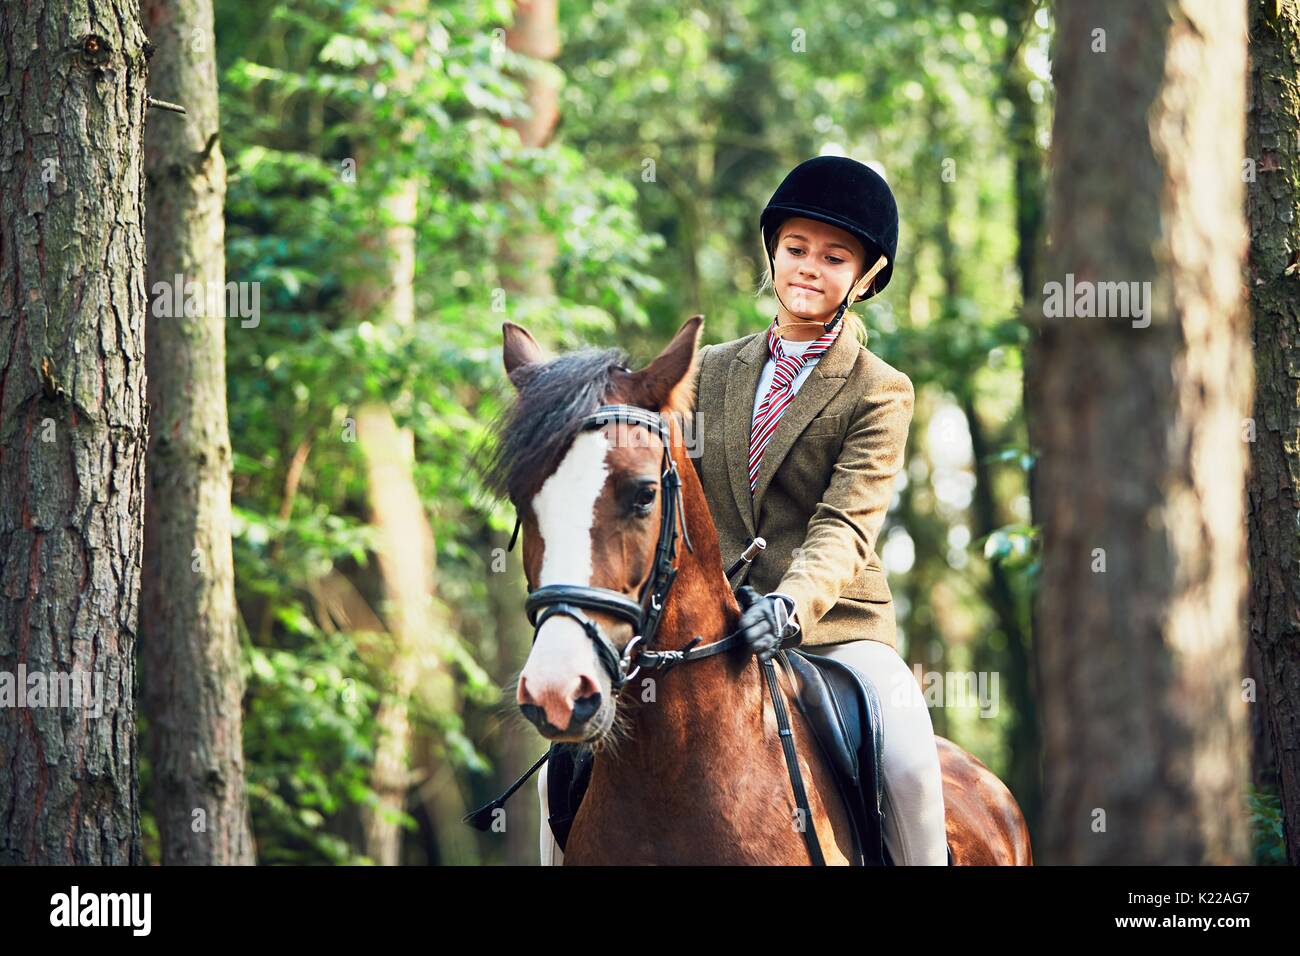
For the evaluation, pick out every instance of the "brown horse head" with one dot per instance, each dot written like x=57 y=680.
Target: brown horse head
x=590 y=502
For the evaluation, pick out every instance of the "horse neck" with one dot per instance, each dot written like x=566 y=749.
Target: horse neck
x=707 y=711
x=701 y=601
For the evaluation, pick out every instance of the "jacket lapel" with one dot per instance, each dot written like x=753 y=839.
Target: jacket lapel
x=826 y=379
x=738 y=415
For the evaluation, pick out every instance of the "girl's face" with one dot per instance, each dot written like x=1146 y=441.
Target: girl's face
x=815 y=266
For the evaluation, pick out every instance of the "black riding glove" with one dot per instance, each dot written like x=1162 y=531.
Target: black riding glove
x=765 y=623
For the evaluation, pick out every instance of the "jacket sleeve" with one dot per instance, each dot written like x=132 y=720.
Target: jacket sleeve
x=842 y=532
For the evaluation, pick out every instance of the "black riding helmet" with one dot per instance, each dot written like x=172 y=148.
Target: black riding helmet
x=840 y=192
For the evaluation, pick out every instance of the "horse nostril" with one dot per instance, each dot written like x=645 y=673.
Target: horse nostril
x=555 y=710
x=535 y=716
x=585 y=708
x=522 y=696
x=586 y=700
x=586 y=687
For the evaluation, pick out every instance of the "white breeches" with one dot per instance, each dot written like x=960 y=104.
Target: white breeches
x=552 y=855
x=913 y=799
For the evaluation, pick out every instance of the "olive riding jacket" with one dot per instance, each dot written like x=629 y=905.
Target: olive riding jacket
x=824 y=485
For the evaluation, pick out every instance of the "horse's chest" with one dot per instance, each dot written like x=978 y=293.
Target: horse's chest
x=719 y=825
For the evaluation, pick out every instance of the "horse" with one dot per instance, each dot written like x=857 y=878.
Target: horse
x=690 y=768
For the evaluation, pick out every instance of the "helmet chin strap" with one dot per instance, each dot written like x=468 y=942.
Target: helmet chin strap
x=839 y=314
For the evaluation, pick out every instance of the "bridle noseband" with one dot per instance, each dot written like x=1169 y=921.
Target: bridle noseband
x=644 y=612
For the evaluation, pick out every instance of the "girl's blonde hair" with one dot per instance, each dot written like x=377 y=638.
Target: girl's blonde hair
x=852 y=324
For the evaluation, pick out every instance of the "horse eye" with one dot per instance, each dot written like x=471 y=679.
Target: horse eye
x=645 y=497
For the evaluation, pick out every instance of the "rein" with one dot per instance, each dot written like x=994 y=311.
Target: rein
x=644 y=614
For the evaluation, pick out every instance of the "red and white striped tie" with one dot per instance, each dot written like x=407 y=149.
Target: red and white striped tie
x=780 y=393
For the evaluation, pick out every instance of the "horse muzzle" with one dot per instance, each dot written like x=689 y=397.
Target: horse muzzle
x=587 y=720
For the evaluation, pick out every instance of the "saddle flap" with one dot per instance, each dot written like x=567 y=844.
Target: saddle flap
x=858 y=704
x=844 y=710
x=820 y=706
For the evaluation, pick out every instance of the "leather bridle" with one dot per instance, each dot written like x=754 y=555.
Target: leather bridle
x=644 y=612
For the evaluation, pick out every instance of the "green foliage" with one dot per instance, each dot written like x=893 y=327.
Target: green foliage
x=676 y=122
x=325 y=105
x=1014 y=546
x=308 y=740
x=1267 y=839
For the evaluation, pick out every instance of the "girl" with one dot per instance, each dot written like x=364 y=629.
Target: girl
x=804 y=454
x=822 y=482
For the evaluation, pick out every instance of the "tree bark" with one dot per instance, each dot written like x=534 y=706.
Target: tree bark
x=1143 y=464
x=192 y=686
x=73 y=429
x=1273 y=205
x=1024 y=776
x=526 y=259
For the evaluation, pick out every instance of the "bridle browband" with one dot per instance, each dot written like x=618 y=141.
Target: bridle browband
x=644 y=612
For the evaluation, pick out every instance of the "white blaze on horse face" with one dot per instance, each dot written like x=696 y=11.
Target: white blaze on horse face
x=565 y=507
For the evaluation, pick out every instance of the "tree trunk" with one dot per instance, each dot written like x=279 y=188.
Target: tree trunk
x=1273 y=204
x=517 y=748
x=192 y=686
x=1143 y=463
x=1024 y=776
x=73 y=429
x=405 y=554
x=527 y=256
x=526 y=259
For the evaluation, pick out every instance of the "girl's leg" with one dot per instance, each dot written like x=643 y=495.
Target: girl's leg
x=552 y=855
x=913 y=798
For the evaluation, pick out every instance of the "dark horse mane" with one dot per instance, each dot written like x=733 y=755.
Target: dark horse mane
x=533 y=432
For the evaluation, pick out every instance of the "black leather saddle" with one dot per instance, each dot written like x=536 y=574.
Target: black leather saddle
x=843 y=710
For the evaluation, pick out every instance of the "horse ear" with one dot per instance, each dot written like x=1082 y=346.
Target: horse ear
x=519 y=349
x=666 y=383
